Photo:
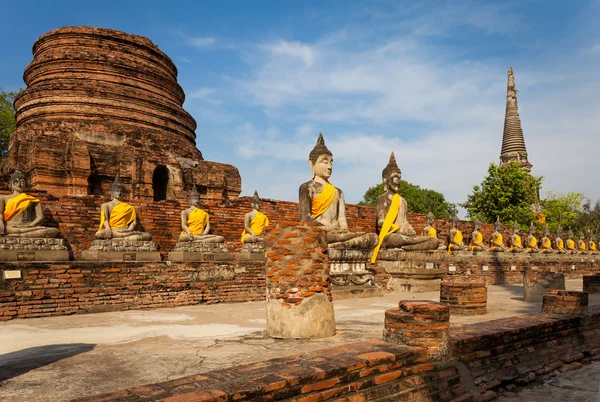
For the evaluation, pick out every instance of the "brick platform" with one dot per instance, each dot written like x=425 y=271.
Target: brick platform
x=466 y=298
x=565 y=302
x=419 y=323
x=591 y=283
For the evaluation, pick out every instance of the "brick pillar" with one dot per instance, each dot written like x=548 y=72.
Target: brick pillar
x=420 y=323
x=565 y=302
x=591 y=283
x=466 y=298
x=298 y=287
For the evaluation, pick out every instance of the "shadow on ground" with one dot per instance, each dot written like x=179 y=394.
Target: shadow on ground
x=16 y=363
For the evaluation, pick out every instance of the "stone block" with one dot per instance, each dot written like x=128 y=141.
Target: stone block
x=250 y=256
x=34 y=255
x=188 y=256
x=125 y=256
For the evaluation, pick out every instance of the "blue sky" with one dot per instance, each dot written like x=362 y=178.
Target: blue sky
x=425 y=79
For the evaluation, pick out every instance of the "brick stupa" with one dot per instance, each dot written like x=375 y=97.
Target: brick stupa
x=98 y=102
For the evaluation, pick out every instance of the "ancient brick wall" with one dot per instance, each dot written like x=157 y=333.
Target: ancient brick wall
x=48 y=289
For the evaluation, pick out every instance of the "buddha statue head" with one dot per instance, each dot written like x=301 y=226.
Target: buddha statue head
x=18 y=181
x=429 y=218
x=546 y=231
x=558 y=231
x=194 y=197
x=116 y=188
x=256 y=202
x=455 y=221
x=569 y=234
x=498 y=224
x=477 y=224
x=391 y=175
x=581 y=236
x=516 y=228
x=532 y=229
x=320 y=160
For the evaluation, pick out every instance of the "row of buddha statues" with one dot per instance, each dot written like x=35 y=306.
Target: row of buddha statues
x=319 y=202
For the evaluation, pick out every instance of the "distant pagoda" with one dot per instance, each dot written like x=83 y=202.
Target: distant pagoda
x=513 y=142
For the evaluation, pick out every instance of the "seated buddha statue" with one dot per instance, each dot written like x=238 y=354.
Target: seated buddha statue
x=255 y=222
x=516 y=245
x=476 y=241
x=22 y=214
x=429 y=230
x=592 y=248
x=497 y=241
x=546 y=243
x=118 y=219
x=392 y=217
x=570 y=247
x=559 y=244
x=321 y=202
x=581 y=246
x=195 y=223
x=531 y=241
x=455 y=239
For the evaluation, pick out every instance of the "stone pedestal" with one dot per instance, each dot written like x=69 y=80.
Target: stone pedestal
x=350 y=276
x=33 y=249
x=537 y=282
x=591 y=283
x=465 y=298
x=121 y=250
x=565 y=302
x=251 y=252
x=413 y=271
x=200 y=251
x=420 y=323
x=298 y=286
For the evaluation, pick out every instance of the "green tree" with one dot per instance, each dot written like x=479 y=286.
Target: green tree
x=7 y=118
x=420 y=200
x=564 y=209
x=507 y=192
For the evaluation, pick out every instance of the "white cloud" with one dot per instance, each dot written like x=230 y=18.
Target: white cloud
x=205 y=95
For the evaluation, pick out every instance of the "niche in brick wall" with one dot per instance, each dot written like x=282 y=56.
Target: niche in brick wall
x=94 y=181
x=160 y=180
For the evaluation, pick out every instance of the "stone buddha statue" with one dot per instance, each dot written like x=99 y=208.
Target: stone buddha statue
x=581 y=246
x=255 y=222
x=570 y=243
x=321 y=202
x=455 y=239
x=118 y=219
x=22 y=214
x=559 y=245
x=516 y=245
x=392 y=217
x=532 y=242
x=429 y=230
x=195 y=222
x=497 y=241
x=546 y=243
x=476 y=242
x=592 y=248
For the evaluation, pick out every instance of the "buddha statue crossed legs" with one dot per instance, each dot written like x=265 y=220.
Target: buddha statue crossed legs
x=321 y=202
x=22 y=214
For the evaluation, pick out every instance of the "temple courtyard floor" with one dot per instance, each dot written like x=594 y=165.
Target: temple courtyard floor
x=60 y=358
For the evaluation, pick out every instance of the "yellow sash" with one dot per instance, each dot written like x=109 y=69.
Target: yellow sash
x=17 y=205
x=431 y=232
x=582 y=247
x=388 y=224
x=478 y=239
x=547 y=244
x=570 y=244
x=458 y=237
x=323 y=201
x=500 y=240
x=257 y=224
x=517 y=241
x=561 y=244
x=532 y=243
x=122 y=215
x=592 y=246
x=197 y=221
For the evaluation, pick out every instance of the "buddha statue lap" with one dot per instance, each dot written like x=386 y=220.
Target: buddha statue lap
x=531 y=241
x=255 y=222
x=195 y=223
x=22 y=214
x=476 y=242
x=559 y=244
x=497 y=240
x=516 y=244
x=546 y=243
x=321 y=202
x=392 y=217
x=455 y=239
x=118 y=219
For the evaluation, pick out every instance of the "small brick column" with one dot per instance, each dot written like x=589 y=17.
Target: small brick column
x=565 y=302
x=298 y=287
x=591 y=283
x=466 y=298
x=420 y=323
